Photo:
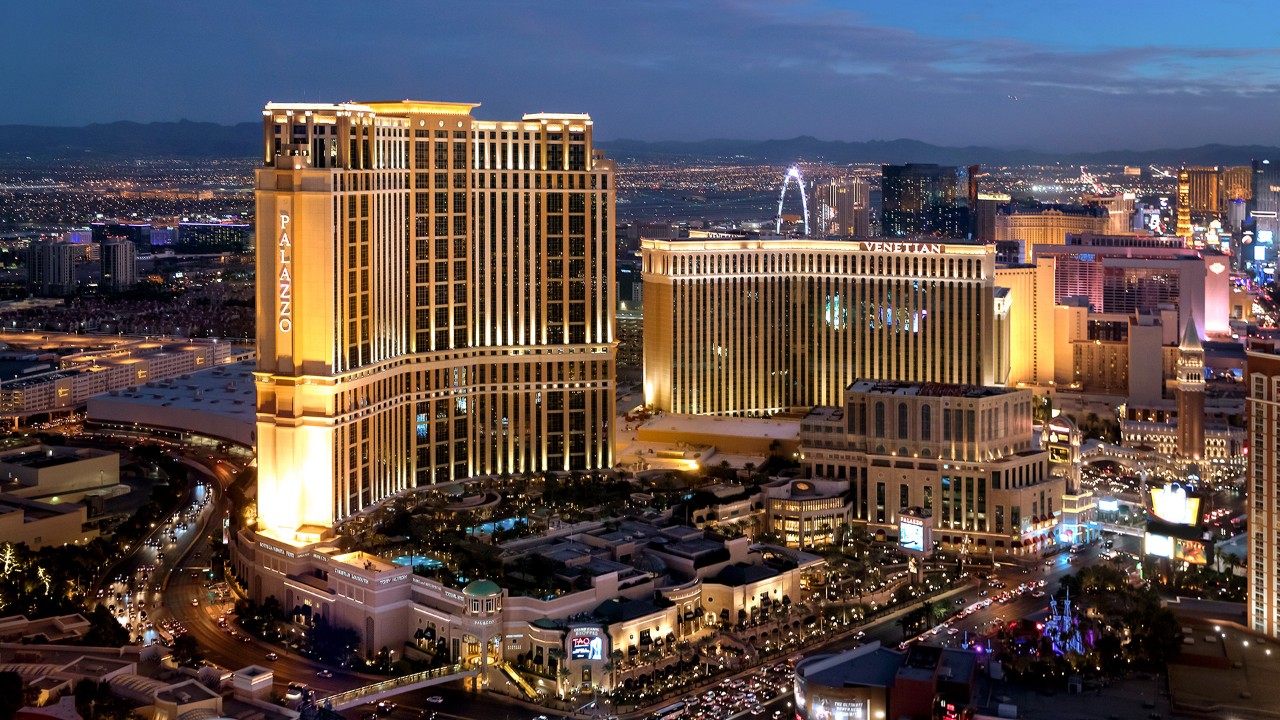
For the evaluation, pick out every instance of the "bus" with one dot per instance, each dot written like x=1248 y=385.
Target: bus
x=670 y=712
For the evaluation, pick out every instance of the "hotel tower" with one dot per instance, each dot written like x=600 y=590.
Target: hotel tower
x=434 y=303
x=739 y=326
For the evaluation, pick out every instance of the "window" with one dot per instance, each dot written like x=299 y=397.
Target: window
x=926 y=418
x=902 y=421
x=879 y=419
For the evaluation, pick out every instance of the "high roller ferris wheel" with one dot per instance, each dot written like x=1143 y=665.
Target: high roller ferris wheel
x=793 y=173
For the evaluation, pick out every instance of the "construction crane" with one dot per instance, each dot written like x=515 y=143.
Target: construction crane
x=1160 y=173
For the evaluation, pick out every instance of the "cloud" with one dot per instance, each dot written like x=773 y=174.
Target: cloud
x=648 y=68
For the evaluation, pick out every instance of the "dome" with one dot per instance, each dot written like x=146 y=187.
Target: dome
x=482 y=588
x=650 y=563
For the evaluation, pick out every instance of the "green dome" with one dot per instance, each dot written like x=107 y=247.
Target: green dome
x=482 y=588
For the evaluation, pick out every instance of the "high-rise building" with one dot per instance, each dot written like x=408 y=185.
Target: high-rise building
x=923 y=199
x=1119 y=206
x=1264 y=206
x=747 y=327
x=1262 y=373
x=51 y=267
x=119 y=265
x=231 y=237
x=137 y=233
x=842 y=207
x=435 y=302
x=1199 y=197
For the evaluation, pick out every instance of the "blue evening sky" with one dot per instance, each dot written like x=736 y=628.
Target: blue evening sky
x=1086 y=75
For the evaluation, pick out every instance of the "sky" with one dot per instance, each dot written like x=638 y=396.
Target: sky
x=1042 y=74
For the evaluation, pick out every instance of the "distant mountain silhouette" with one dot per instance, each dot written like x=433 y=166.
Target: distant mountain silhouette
x=129 y=139
x=209 y=140
x=809 y=148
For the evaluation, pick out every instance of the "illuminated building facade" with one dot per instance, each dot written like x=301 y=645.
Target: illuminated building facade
x=963 y=453
x=1047 y=224
x=757 y=326
x=1126 y=279
x=434 y=302
x=1263 y=489
x=807 y=513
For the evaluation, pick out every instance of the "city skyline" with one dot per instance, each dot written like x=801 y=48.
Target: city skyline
x=1141 y=77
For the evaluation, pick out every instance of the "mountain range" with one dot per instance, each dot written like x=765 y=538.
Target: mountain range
x=184 y=138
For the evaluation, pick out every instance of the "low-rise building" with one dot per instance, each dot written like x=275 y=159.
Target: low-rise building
x=967 y=454
x=808 y=512
x=875 y=682
x=573 y=599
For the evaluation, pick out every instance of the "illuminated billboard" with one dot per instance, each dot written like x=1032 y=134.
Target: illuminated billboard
x=1190 y=551
x=1159 y=545
x=586 y=644
x=915 y=531
x=1195 y=552
x=1109 y=505
x=911 y=534
x=1172 y=503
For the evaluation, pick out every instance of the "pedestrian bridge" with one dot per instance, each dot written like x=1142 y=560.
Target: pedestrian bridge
x=1122 y=529
x=394 y=686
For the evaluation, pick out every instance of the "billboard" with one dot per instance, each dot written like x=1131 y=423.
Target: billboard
x=1158 y=545
x=1194 y=552
x=911 y=534
x=586 y=644
x=1174 y=504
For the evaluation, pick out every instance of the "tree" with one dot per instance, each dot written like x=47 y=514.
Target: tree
x=95 y=700
x=104 y=629
x=186 y=651
x=14 y=694
x=333 y=644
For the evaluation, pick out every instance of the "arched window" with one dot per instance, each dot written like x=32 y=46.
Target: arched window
x=902 y=421
x=926 y=419
x=880 y=419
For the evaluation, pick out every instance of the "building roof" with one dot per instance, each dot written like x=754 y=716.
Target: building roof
x=741 y=574
x=891 y=387
x=866 y=666
x=732 y=426
x=482 y=588
x=1190 y=337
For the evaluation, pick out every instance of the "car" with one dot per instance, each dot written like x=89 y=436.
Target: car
x=325 y=674
x=272 y=656
x=435 y=699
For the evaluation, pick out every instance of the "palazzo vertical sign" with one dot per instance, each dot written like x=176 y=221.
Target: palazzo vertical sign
x=285 y=311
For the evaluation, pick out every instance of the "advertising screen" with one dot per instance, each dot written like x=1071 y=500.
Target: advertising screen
x=911 y=534
x=1108 y=505
x=1190 y=551
x=583 y=646
x=1173 y=504
x=1159 y=545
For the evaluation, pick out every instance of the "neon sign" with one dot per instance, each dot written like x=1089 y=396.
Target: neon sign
x=285 y=322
